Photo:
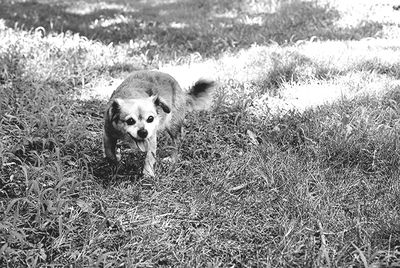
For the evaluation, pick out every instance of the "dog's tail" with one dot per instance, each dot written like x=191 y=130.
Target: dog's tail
x=199 y=95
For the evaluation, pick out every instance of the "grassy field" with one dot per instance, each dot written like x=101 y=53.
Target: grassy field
x=295 y=165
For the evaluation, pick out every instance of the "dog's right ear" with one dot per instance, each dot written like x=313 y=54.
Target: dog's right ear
x=115 y=110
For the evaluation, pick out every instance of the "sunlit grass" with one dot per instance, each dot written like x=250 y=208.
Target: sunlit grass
x=302 y=76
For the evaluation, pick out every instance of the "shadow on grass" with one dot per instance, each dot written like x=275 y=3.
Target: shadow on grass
x=176 y=29
x=38 y=137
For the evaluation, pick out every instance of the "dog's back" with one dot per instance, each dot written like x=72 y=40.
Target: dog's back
x=142 y=84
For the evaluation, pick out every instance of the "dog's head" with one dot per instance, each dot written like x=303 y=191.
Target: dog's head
x=137 y=118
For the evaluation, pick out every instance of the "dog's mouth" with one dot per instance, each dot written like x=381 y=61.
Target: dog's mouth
x=142 y=144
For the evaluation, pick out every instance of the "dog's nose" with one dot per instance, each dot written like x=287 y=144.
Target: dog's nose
x=142 y=133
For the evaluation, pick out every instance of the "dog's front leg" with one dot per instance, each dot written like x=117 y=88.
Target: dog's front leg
x=150 y=157
x=176 y=134
x=109 y=146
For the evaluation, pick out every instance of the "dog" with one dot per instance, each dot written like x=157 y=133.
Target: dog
x=145 y=103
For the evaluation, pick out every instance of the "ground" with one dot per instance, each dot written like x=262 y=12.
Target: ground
x=296 y=164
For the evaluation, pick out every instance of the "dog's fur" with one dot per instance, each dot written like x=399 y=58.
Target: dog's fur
x=146 y=102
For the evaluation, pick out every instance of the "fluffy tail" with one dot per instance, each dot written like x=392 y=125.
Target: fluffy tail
x=199 y=95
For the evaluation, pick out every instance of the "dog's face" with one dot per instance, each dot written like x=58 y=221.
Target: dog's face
x=137 y=118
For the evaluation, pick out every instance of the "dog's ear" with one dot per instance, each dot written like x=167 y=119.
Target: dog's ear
x=115 y=110
x=158 y=102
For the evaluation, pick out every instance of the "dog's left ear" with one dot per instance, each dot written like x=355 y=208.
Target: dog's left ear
x=114 y=110
x=160 y=103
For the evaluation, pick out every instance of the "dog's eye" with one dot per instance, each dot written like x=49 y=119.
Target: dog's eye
x=130 y=121
x=150 y=119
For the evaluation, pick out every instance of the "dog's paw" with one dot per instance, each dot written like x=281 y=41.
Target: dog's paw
x=173 y=158
x=118 y=155
x=113 y=159
x=170 y=159
x=148 y=172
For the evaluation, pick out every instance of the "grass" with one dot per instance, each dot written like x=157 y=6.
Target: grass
x=295 y=165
